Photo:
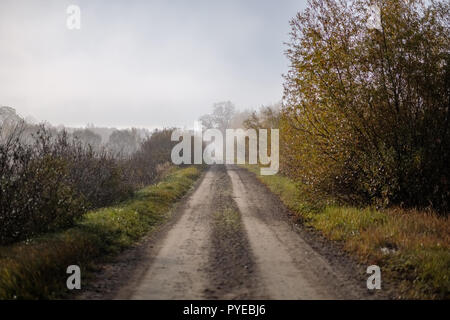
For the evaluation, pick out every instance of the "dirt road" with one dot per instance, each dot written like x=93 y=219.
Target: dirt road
x=232 y=239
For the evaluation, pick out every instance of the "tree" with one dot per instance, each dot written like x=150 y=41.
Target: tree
x=366 y=116
x=124 y=141
x=267 y=117
x=88 y=137
x=154 y=152
x=221 y=116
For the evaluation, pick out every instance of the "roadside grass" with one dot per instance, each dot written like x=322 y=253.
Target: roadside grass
x=228 y=220
x=36 y=268
x=411 y=247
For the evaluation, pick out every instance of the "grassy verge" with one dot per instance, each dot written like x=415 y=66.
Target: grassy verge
x=36 y=269
x=410 y=246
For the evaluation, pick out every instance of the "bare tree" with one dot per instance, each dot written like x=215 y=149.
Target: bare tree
x=221 y=117
x=88 y=137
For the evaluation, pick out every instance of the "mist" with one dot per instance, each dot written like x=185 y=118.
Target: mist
x=141 y=63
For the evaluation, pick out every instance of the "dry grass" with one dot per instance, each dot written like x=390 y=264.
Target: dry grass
x=412 y=247
x=36 y=268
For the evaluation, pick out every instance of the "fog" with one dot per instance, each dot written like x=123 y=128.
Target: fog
x=141 y=63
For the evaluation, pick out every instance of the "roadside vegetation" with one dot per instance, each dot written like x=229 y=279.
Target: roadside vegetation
x=49 y=179
x=411 y=247
x=66 y=199
x=365 y=117
x=364 y=134
x=36 y=268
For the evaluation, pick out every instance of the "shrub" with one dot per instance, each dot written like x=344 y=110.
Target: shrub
x=153 y=153
x=36 y=195
x=366 y=112
x=48 y=181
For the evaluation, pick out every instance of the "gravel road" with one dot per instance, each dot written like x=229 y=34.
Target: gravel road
x=230 y=238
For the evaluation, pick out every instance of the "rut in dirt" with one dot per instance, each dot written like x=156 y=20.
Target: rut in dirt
x=233 y=240
x=231 y=266
x=206 y=254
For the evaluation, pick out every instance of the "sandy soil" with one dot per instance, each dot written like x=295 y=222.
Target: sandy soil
x=288 y=267
x=230 y=238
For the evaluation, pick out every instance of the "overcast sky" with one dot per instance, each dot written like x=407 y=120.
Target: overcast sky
x=141 y=63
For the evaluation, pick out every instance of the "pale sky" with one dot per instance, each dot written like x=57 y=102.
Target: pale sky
x=141 y=63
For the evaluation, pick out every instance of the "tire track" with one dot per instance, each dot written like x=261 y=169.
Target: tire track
x=206 y=254
x=232 y=240
x=288 y=267
x=231 y=266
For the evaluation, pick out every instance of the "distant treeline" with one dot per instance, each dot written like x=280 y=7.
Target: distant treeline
x=119 y=141
x=49 y=178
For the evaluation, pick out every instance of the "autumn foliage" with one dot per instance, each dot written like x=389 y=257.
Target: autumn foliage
x=365 y=116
